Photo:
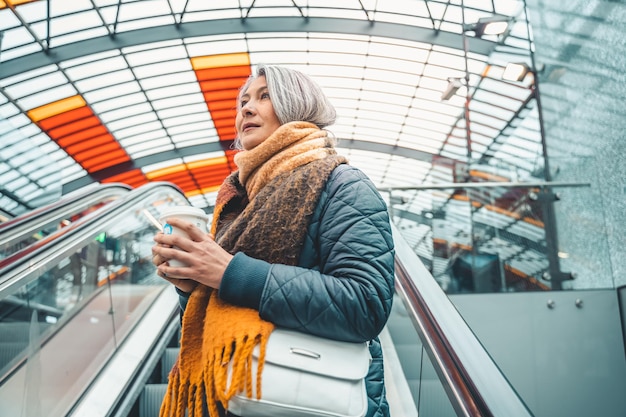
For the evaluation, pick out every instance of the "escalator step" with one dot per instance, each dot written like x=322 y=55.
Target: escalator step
x=150 y=399
x=169 y=357
x=10 y=350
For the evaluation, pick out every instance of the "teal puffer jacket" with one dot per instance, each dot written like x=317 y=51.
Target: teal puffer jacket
x=343 y=286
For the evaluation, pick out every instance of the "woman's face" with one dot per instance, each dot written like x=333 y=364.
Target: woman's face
x=255 y=119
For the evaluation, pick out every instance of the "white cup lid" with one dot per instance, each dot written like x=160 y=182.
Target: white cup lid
x=174 y=211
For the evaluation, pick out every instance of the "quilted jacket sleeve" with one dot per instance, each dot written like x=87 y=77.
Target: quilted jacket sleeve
x=344 y=288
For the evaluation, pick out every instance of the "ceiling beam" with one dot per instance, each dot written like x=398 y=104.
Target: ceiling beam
x=233 y=26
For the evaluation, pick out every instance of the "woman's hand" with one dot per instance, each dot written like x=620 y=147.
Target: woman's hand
x=185 y=285
x=205 y=260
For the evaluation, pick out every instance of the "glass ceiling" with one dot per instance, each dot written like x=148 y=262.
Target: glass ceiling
x=144 y=90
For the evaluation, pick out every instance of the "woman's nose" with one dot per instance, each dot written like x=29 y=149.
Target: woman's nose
x=248 y=109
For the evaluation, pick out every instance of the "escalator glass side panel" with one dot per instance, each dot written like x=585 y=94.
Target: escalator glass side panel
x=480 y=237
x=64 y=319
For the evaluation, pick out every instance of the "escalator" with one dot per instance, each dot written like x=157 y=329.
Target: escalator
x=22 y=231
x=450 y=373
x=77 y=299
x=103 y=344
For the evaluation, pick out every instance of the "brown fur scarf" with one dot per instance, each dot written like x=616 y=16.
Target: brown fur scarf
x=218 y=338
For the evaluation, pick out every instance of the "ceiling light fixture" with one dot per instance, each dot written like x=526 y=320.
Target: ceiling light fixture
x=453 y=86
x=492 y=25
x=515 y=71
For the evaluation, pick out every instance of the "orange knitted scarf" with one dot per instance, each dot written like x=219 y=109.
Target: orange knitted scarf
x=263 y=210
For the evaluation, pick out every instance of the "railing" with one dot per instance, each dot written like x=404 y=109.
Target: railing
x=76 y=297
x=502 y=237
x=19 y=232
x=474 y=384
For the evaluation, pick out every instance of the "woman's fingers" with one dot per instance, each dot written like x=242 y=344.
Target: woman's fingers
x=186 y=285
x=194 y=233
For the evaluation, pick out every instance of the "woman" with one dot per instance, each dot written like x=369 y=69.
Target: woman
x=299 y=240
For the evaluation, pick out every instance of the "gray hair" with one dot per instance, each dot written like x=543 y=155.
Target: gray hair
x=295 y=96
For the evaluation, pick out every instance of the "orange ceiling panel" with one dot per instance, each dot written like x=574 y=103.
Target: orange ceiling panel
x=80 y=145
x=104 y=161
x=65 y=118
x=197 y=177
x=5 y=3
x=220 y=77
x=134 y=178
x=75 y=128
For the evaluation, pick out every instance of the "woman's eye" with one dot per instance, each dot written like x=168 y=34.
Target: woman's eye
x=265 y=95
x=242 y=103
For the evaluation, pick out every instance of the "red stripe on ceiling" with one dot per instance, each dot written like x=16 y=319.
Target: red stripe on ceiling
x=81 y=134
x=220 y=87
x=134 y=178
x=197 y=176
x=111 y=159
x=183 y=179
x=65 y=118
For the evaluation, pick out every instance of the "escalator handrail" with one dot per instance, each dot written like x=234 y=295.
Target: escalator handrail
x=51 y=248
x=473 y=382
x=31 y=222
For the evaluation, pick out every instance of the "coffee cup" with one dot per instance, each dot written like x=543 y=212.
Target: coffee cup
x=193 y=215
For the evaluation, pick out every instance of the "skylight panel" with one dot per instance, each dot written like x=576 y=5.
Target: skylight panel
x=421 y=136
x=163 y=68
x=27 y=191
x=496 y=99
x=149 y=148
x=33 y=86
x=104 y=80
x=8 y=20
x=185 y=140
x=162 y=165
x=206 y=126
x=75 y=22
x=175 y=111
x=135 y=130
x=118 y=102
x=16 y=37
x=331 y=84
x=377 y=126
x=174 y=78
x=177 y=101
x=390 y=88
x=373 y=135
x=356 y=46
x=7 y=177
x=406 y=76
x=165 y=92
x=191 y=138
x=143 y=22
x=95 y=68
x=7 y=110
x=158 y=53
x=123 y=112
x=112 y=92
x=152 y=149
x=72 y=173
x=187 y=119
x=47 y=96
x=8 y=54
x=215 y=45
x=148 y=9
x=119 y=125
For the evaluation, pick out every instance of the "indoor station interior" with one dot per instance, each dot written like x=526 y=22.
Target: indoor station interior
x=494 y=130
